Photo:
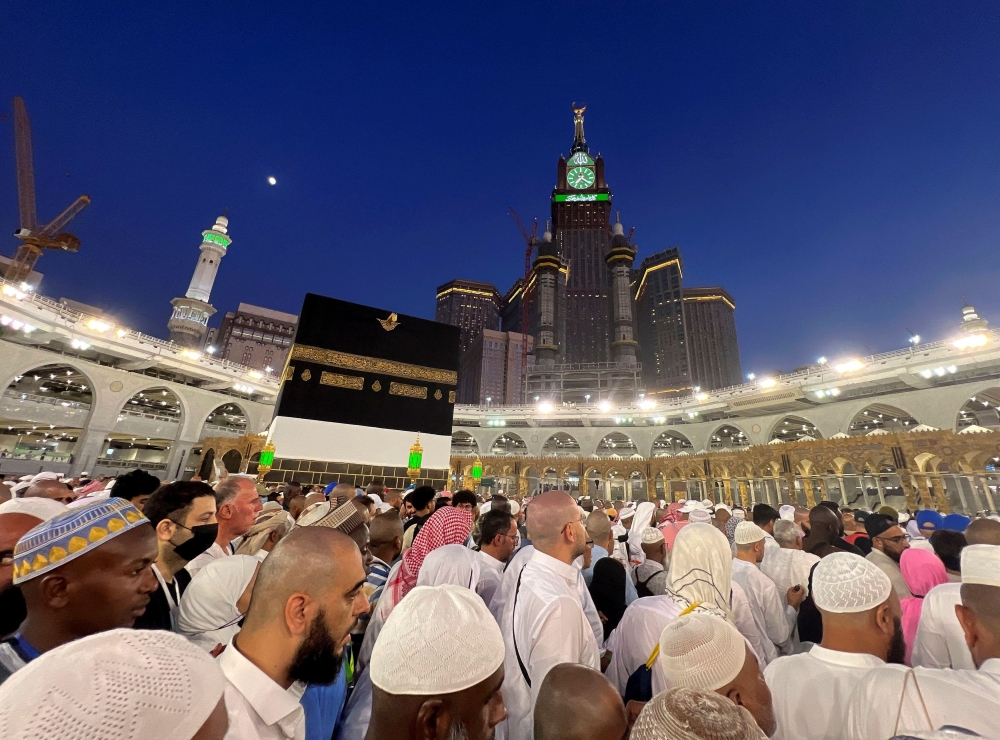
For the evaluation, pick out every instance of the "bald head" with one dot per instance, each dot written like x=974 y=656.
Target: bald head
x=983 y=532
x=385 y=528
x=578 y=703
x=599 y=527
x=52 y=489
x=824 y=524
x=343 y=491
x=305 y=561
x=550 y=513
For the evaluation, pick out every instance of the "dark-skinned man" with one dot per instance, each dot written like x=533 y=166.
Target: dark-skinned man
x=420 y=693
x=578 y=703
x=183 y=517
x=17 y=517
x=81 y=572
x=861 y=631
x=308 y=597
x=888 y=544
x=895 y=700
x=704 y=651
x=824 y=530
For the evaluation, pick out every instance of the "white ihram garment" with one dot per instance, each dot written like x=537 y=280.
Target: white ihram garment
x=545 y=624
x=810 y=692
x=940 y=641
x=637 y=633
x=787 y=568
x=966 y=699
x=772 y=616
x=490 y=576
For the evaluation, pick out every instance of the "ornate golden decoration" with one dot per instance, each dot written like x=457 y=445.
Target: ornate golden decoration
x=437 y=395
x=351 y=382
x=288 y=374
x=451 y=396
x=346 y=361
x=376 y=386
x=409 y=391
x=306 y=375
x=389 y=323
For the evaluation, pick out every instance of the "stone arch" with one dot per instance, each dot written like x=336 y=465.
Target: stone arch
x=981 y=409
x=728 y=436
x=463 y=443
x=670 y=443
x=792 y=429
x=561 y=443
x=881 y=416
x=228 y=419
x=508 y=443
x=616 y=443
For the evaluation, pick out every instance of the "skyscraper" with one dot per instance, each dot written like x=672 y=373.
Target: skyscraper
x=256 y=337
x=189 y=321
x=710 y=325
x=491 y=369
x=469 y=305
x=660 y=320
x=581 y=208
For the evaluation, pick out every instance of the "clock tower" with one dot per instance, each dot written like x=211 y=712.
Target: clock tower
x=581 y=233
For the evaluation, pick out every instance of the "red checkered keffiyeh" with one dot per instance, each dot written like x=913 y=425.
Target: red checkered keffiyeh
x=446 y=526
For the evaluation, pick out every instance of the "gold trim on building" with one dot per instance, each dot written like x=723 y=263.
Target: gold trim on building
x=409 y=391
x=306 y=375
x=351 y=382
x=346 y=361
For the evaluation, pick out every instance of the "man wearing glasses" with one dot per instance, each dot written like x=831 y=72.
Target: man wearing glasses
x=888 y=543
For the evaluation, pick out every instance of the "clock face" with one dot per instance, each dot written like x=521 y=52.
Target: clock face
x=580 y=177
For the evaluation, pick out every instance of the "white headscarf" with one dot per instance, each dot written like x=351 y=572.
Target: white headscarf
x=643 y=518
x=267 y=521
x=701 y=564
x=454 y=564
x=208 y=615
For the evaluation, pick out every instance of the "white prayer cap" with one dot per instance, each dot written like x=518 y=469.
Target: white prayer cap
x=691 y=505
x=515 y=508
x=707 y=503
x=903 y=517
x=382 y=508
x=42 y=509
x=739 y=514
x=844 y=583
x=720 y=507
x=84 y=473
x=700 y=651
x=694 y=714
x=44 y=475
x=700 y=515
x=787 y=512
x=25 y=478
x=626 y=513
x=980 y=564
x=651 y=536
x=438 y=640
x=748 y=533
x=149 y=684
x=376 y=498
x=313 y=513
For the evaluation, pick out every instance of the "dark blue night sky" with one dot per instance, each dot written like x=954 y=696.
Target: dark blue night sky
x=833 y=165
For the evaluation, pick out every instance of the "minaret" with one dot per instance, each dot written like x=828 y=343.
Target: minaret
x=619 y=259
x=189 y=321
x=546 y=271
x=971 y=323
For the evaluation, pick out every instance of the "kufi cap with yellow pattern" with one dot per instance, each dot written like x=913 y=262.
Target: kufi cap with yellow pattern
x=70 y=535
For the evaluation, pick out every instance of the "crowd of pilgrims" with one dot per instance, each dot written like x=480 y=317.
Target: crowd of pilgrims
x=131 y=608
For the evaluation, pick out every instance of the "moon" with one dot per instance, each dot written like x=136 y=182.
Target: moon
x=272 y=181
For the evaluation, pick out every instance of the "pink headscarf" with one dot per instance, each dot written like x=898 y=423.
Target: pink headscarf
x=922 y=571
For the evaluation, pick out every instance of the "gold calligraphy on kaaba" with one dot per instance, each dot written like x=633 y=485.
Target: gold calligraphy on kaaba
x=306 y=375
x=359 y=363
x=409 y=391
x=351 y=382
x=289 y=373
x=451 y=396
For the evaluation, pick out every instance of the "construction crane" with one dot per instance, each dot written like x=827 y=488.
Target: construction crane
x=530 y=240
x=35 y=238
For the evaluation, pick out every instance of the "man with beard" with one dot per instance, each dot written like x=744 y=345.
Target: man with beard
x=892 y=697
x=861 y=631
x=888 y=543
x=17 y=517
x=81 y=572
x=183 y=516
x=437 y=669
x=544 y=622
x=307 y=599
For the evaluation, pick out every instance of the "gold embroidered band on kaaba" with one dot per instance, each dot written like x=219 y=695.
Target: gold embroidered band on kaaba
x=352 y=382
x=409 y=391
x=358 y=363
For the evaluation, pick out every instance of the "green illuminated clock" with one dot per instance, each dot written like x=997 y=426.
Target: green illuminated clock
x=580 y=177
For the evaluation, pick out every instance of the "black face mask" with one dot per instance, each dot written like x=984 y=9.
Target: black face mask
x=13 y=610
x=202 y=537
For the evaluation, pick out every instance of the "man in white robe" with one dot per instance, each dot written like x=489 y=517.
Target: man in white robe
x=933 y=698
x=861 y=631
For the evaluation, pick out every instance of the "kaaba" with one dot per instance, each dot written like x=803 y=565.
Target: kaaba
x=360 y=384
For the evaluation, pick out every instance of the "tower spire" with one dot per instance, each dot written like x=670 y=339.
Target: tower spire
x=579 y=141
